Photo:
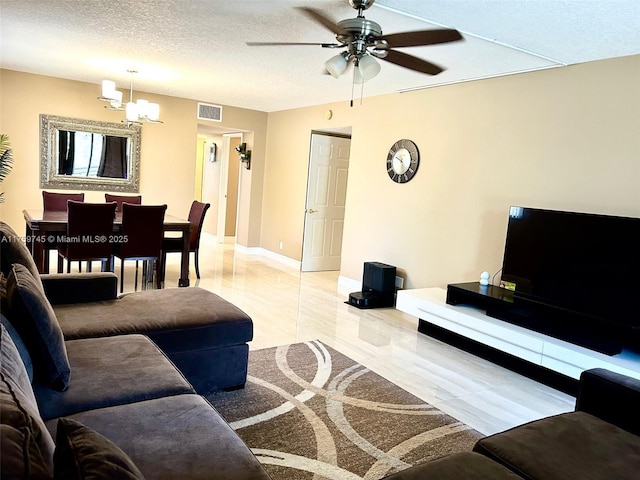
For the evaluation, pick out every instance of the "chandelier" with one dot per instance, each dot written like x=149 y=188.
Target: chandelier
x=140 y=111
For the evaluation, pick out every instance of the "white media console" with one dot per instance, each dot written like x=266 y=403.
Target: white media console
x=429 y=305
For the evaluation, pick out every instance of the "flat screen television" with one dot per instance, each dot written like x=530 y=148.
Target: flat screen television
x=584 y=263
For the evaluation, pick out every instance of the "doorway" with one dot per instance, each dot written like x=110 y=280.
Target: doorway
x=325 y=203
x=218 y=180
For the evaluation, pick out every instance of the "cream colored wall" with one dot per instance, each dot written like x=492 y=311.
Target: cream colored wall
x=232 y=189
x=285 y=185
x=563 y=139
x=168 y=150
x=200 y=162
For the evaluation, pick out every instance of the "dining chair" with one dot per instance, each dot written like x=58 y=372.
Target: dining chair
x=120 y=199
x=56 y=202
x=89 y=231
x=140 y=238
x=174 y=244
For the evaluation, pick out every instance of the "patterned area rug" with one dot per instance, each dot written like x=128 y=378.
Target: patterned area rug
x=309 y=412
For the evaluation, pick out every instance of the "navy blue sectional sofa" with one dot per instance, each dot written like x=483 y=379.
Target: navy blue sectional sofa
x=93 y=385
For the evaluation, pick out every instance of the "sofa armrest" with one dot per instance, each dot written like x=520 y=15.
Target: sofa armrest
x=610 y=396
x=80 y=288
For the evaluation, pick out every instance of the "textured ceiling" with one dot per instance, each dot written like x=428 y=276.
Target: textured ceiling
x=197 y=48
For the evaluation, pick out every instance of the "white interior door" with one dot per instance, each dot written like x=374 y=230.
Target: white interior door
x=326 y=195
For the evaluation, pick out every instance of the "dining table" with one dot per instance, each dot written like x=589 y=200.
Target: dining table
x=44 y=228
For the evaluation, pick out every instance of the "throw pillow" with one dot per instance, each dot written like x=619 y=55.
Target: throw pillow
x=82 y=453
x=34 y=319
x=13 y=250
x=20 y=346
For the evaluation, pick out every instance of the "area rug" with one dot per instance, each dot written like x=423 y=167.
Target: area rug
x=309 y=412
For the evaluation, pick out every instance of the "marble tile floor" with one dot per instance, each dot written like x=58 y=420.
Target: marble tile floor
x=289 y=306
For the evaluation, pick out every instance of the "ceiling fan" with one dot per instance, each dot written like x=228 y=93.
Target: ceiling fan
x=363 y=40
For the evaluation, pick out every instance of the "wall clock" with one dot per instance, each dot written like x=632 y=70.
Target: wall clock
x=403 y=161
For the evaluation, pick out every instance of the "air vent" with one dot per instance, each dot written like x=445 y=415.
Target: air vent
x=209 y=112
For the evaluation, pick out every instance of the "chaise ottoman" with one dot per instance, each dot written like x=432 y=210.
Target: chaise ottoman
x=204 y=335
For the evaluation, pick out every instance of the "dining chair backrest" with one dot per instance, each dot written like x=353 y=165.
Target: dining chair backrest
x=142 y=231
x=57 y=202
x=196 y=219
x=120 y=199
x=90 y=229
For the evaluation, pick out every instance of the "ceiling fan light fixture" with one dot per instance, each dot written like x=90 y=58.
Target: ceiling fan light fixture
x=337 y=65
x=368 y=67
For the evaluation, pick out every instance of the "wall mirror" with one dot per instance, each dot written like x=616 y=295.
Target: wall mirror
x=89 y=155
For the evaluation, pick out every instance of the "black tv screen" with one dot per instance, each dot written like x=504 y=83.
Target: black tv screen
x=586 y=263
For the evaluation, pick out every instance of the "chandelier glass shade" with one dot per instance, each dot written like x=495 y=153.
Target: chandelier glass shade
x=140 y=111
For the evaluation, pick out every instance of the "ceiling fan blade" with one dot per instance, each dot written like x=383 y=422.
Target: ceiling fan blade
x=323 y=20
x=413 y=63
x=421 y=37
x=277 y=44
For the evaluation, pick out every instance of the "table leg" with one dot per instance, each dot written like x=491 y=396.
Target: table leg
x=184 y=261
x=37 y=249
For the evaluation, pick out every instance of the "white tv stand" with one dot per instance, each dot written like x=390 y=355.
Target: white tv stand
x=429 y=305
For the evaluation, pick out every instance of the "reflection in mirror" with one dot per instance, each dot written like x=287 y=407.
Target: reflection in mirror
x=89 y=155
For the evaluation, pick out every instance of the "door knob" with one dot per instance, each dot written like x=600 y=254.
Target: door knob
x=311 y=210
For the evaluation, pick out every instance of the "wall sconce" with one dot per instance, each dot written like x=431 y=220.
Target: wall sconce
x=245 y=155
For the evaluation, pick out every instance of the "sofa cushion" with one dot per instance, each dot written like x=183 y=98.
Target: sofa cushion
x=13 y=250
x=34 y=319
x=112 y=371
x=175 y=437
x=570 y=445
x=28 y=433
x=464 y=465
x=79 y=287
x=20 y=346
x=177 y=319
x=82 y=453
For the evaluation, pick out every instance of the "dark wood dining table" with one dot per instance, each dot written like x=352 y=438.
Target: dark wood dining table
x=43 y=228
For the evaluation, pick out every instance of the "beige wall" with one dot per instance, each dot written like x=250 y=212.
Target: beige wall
x=232 y=189
x=168 y=150
x=563 y=139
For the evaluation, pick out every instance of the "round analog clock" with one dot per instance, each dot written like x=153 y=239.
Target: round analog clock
x=403 y=161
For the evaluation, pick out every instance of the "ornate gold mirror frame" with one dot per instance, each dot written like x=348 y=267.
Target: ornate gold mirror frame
x=54 y=130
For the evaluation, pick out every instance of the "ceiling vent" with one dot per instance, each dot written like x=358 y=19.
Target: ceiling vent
x=209 y=112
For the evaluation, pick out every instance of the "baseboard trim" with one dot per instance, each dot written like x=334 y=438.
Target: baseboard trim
x=269 y=254
x=349 y=284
